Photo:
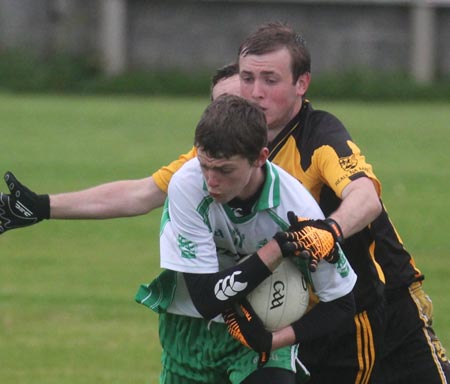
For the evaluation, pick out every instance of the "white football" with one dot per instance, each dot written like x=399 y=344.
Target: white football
x=282 y=298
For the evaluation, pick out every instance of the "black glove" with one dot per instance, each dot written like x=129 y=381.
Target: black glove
x=313 y=240
x=22 y=207
x=247 y=328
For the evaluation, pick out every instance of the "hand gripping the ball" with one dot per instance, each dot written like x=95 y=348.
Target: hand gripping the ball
x=21 y=207
x=246 y=327
x=314 y=240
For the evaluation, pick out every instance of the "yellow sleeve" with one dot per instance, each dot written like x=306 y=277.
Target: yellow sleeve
x=339 y=172
x=163 y=175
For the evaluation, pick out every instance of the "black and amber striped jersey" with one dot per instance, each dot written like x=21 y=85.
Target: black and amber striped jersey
x=317 y=149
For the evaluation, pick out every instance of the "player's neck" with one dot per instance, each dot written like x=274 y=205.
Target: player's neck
x=245 y=205
x=254 y=184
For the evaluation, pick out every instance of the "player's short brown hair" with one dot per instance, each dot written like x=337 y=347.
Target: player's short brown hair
x=273 y=36
x=231 y=126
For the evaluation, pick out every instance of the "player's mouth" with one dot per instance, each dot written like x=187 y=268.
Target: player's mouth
x=264 y=109
x=214 y=195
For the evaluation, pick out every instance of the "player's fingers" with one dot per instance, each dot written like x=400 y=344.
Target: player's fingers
x=313 y=265
x=289 y=248
x=10 y=181
x=292 y=218
x=263 y=359
x=305 y=254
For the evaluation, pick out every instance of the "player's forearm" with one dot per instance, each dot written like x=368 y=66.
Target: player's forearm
x=360 y=206
x=117 y=199
x=270 y=254
x=321 y=320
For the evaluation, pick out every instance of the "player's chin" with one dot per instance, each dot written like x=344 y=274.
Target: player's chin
x=219 y=198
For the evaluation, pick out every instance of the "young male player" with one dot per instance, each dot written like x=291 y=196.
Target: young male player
x=227 y=203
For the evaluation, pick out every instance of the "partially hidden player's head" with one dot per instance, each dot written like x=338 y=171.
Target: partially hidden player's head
x=274 y=68
x=231 y=141
x=226 y=81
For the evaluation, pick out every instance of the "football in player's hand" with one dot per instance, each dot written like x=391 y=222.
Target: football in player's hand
x=282 y=298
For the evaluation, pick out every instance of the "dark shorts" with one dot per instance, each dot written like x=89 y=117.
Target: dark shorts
x=413 y=353
x=351 y=356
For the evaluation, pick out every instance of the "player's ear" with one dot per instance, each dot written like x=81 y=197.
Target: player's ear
x=262 y=158
x=302 y=83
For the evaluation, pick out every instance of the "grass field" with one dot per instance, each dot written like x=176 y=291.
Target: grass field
x=67 y=313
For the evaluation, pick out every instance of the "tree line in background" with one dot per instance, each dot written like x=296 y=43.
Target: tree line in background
x=22 y=72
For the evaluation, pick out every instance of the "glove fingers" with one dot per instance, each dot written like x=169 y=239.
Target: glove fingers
x=15 y=186
x=291 y=236
x=10 y=181
x=17 y=189
x=263 y=359
x=305 y=254
x=281 y=237
x=292 y=218
x=313 y=262
x=333 y=257
x=289 y=248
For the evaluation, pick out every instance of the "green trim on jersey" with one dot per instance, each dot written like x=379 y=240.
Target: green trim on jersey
x=158 y=295
x=203 y=210
x=165 y=218
x=282 y=223
x=270 y=195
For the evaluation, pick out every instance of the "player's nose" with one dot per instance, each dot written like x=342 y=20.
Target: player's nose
x=212 y=181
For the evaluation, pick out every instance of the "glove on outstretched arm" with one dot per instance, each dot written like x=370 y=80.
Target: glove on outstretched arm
x=21 y=207
x=247 y=328
x=311 y=239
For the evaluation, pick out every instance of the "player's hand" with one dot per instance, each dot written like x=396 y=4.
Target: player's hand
x=21 y=207
x=314 y=240
x=246 y=327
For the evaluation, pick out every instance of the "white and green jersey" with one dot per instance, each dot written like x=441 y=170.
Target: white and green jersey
x=199 y=235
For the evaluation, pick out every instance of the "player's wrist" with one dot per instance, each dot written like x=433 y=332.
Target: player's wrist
x=335 y=229
x=271 y=254
x=43 y=207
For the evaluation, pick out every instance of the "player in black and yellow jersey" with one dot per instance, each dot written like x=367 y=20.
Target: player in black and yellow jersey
x=315 y=147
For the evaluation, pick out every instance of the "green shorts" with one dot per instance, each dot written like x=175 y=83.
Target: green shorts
x=198 y=351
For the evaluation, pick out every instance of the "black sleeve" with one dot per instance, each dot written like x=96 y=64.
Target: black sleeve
x=324 y=318
x=212 y=293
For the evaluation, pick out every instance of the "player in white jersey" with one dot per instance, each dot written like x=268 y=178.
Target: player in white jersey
x=223 y=205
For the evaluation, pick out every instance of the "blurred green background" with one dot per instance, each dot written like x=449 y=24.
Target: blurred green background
x=67 y=310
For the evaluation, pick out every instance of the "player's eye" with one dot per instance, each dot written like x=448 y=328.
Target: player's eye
x=226 y=171
x=247 y=79
x=271 y=81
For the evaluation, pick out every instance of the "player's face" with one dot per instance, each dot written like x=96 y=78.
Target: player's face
x=267 y=80
x=227 y=178
x=228 y=86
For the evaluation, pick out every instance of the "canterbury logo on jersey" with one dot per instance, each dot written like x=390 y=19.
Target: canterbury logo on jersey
x=229 y=287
